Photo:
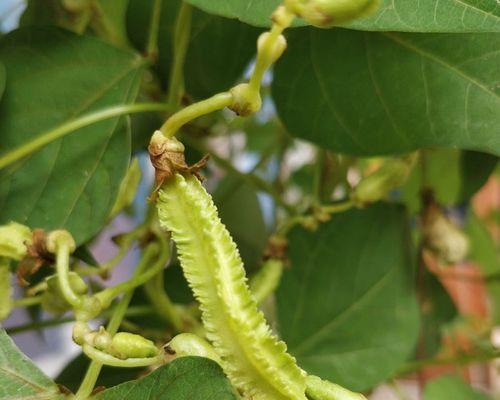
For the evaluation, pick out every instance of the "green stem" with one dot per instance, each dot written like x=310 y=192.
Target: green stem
x=193 y=111
x=180 y=43
x=62 y=268
x=154 y=29
x=462 y=359
x=108 y=294
x=155 y=290
x=338 y=207
x=27 y=301
x=94 y=369
x=70 y=126
x=138 y=311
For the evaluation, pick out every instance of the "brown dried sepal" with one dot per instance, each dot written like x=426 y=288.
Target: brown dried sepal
x=167 y=157
x=37 y=256
x=276 y=248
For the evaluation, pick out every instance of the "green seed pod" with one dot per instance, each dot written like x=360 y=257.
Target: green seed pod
x=376 y=186
x=188 y=344
x=245 y=101
x=129 y=345
x=318 y=389
x=5 y=289
x=253 y=358
x=13 y=240
x=53 y=300
x=326 y=13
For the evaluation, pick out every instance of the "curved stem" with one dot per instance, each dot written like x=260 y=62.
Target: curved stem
x=107 y=359
x=187 y=114
x=70 y=126
x=338 y=207
x=180 y=42
x=138 y=311
x=119 y=312
x=62 y=268
x=27 y=301
x=154 y=28
x=108 y=294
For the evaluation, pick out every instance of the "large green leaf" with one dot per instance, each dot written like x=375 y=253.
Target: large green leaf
x=382 y=93
x=451 y=387
x=346 y=305
x=185 y=379
x=19 y=377
x=3 y=77
x=54 y=77
x=393 y=15
x=219 y=48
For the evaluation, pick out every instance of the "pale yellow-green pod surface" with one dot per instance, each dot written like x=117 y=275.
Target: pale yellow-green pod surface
x=5 y=289
x=256 y=362
x=318 y=389
x=325 y=13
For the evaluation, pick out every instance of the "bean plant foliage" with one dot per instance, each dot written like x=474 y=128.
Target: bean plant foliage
x=344 y=144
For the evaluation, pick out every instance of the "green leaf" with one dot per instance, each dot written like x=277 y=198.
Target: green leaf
x=54 y=77
x=451 y=387
x=72 y=375
x=346 y=305
x=219 y=48
x=19 y=377
x=186 y=378
x=385 y=93
x=393 y=15
x=476 y=170
x=3 y=77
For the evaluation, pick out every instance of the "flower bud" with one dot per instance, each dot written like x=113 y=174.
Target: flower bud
x=13 y=240
x=376 y=186
x=325 y=13
x=53 y=300
x=245 y=101
x=188 y=344
x=60 y=237
x=129 y=345
x=443 y=237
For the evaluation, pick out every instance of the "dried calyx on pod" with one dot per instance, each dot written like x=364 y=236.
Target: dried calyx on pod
x=167 y=157
x=326 y=13
x=441 y=235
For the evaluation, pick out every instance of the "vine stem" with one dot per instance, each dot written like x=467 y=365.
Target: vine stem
x=108 y=294
x=137 y=311
x=154 y=30
x=338 y=207
x=62 y=268
x=180 y=42
x=462 y=359
x=70 y=126
x=94 y=369
x=195 y=110
x=27 y=301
